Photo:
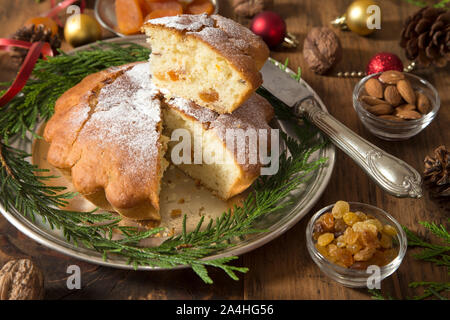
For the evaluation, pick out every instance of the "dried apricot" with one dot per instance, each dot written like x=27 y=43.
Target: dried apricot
x=200 y=6
x=340 y=208
x=129 y=16
x=172 y=7
x=159 y=14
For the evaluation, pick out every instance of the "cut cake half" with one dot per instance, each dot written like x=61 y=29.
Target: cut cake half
x=211 y=60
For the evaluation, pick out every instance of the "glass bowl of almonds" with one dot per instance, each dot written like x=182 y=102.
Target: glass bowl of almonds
x=355 y=244
x=395 y=105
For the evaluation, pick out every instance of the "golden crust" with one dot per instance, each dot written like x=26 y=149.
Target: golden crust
x=83 y=144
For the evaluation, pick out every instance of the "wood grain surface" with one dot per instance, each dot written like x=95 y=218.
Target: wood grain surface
x=281 y=269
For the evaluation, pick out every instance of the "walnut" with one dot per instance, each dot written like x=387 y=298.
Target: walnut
x=21 y=280
x=249 y=8
x=322 y=49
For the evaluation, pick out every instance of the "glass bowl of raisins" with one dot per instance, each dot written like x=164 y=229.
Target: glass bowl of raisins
x=355 y=244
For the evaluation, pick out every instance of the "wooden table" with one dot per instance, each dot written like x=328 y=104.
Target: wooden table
x=281 y=269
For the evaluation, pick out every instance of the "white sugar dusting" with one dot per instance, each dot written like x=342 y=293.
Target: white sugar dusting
x=184 y=22
x=190 y=108
x=127 y=116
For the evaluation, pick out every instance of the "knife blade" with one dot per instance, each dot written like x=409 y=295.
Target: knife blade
x=281 y=85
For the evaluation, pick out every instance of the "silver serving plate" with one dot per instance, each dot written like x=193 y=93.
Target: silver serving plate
x=276 y=223
x=105 y=14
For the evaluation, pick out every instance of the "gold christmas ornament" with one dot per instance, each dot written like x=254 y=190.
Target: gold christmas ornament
x=82 y=29
x=360 y=17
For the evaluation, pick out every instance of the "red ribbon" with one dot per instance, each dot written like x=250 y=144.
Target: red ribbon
x=34 y=52
x=56 y=8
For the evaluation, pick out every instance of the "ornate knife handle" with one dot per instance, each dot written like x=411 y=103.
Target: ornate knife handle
x=392 y=174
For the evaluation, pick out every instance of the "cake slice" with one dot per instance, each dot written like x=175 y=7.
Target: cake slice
x=106 y=137
x=211 y=60
x=218 y=166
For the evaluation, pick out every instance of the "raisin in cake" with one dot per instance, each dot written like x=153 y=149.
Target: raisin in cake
x=211 y=60
x=106 y=136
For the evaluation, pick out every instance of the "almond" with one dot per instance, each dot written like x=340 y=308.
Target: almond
x=374 y=88
x=391 y=117
x=423 y=103
x=392 y=96
x=406 y=91
x=371 y=100
x=380 y=109
x=391 y=77
x=407 y=114
x=407 y=107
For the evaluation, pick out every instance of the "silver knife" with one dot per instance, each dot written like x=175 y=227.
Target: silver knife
x=392 y=174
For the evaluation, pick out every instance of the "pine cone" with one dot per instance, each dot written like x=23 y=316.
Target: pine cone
x=33 y=34
x=437 y=171
x=426 y=37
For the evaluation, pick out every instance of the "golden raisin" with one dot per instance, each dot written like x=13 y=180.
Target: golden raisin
x=350 y=236
x=339 y=226
x=345 y=257
x=325 y=239
x=389 y=230
x=369 y=239
x=361 y=215
x=386 y=241
x=340 y=208
x=362 y=226
x=354 y=248
x=322 y=250
x=340 y=242
x=376 y=223
x=365 y=254
x=350 y=218
x=328 y=221
x=333 y=252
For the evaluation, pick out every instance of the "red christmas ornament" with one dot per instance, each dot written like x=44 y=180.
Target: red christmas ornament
x=270 y=27
x=384 y=61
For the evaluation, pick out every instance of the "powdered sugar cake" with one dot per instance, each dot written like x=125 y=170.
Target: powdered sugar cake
x=229 y=176
x=106 y=136
x=211 y=60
